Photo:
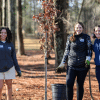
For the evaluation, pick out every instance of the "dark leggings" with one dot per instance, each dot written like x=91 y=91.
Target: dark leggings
x=71 y=75
x=98 y=75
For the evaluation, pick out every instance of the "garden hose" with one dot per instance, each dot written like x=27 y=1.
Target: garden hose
x=90 y=86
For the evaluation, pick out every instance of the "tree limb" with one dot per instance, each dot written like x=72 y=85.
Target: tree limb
x=81 y=10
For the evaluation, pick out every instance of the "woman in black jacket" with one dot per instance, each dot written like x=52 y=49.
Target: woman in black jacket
x=8 y=61
x=78 y=52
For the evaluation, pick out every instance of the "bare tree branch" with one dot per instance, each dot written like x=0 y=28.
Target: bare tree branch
x=81 y=10
x=98 y=1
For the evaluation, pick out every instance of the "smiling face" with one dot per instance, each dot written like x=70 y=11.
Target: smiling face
x=78 y=29
x=3 y=35
x=97 y=32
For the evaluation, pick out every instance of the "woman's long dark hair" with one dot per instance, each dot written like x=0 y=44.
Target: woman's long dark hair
x=9 y=34
x=72 y=38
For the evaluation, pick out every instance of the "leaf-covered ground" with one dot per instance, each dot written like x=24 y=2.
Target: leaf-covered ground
x=31 y=86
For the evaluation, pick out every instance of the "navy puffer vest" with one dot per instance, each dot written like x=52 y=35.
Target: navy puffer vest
x=77 y=51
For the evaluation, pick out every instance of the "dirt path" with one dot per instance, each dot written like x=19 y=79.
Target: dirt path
x=31 y=86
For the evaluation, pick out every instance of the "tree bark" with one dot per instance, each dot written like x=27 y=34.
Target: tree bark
x=9 y=15
x=19 y=29
x=0 y=12
x=13 y=3
x=34 y=14
x=5 y=22
x=24 y=15
x=98 y=1
x=61 y=36
x=3 y=12
x=11 y=18
x=81 y=10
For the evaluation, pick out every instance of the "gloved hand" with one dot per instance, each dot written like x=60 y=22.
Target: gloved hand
x=19 y=73
x=60 y=68
x=87 y=64
x=61 y=65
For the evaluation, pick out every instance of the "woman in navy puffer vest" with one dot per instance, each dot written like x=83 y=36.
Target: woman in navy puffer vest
x=78 y=52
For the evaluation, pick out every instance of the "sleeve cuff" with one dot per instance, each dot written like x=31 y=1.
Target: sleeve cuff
x=88 y=58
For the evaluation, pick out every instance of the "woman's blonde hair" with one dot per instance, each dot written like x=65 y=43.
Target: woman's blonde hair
x=72 y=38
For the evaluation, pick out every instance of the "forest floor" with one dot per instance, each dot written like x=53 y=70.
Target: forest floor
x=31 y=86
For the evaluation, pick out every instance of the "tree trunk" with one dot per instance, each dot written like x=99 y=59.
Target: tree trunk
x=34 y=21
x=13 y=3
x=9 y=15
x=61 y=36
x=11 y=18
x=3 y=12
x=24 y=15
x=0 y=12
x=19 y=29
x=25 y=10
x=5 y=22
x=81 y=10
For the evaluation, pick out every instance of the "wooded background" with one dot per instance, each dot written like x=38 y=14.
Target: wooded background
x=17 y=15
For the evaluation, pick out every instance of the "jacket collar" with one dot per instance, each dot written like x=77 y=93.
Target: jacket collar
x=3 y=41
x=79 y=35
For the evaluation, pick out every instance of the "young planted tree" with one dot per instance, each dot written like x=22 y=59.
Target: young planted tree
x=46 y=21
x=48 y=27
x=49 y=21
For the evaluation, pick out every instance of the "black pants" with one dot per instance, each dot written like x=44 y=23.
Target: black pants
x=71 y=75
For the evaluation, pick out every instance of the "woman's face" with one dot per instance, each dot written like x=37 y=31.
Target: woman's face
x=78 y=29
x=3 y=34
x=97 y=32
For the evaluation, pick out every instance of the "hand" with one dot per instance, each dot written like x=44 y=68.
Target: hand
x=61 y=65
x=60 y=68
x=19 y=73
x=87 y=64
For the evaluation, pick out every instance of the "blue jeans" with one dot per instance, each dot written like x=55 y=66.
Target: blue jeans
x=71 y=75
x=97 y=71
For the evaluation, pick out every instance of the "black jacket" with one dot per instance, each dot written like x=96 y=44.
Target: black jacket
x=77 y=51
